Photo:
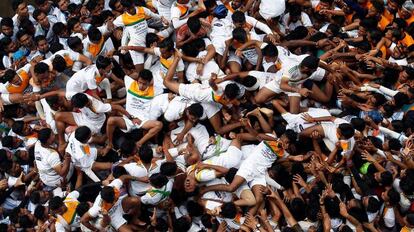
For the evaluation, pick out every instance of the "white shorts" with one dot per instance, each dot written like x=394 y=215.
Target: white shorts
x=233 y=157
x=220 y=45
x=274 y=86
x=116 y=213
x=251 y=174
x=81 y=121
x=130 y=125
x=137 y=57
x=252 y=58
x=196 y=92
x=211 y=108
x=5 y=97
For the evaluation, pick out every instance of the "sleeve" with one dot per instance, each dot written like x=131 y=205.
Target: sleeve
x=53 y=159
x=388 y=91
x=306 y=20
x=117 y=183
x=259 y=25
x=103 y=29
x=151 y=14
x=175 y=18
x=147 y=199
x=180 y=66
x=91 y=82
x=94 y=211
x=205 y=175
x=157 y=51
x=74 y=195
x=59 y=227
x=392 y=134
x=101 y=107
x=74 y=55
x=118 y=22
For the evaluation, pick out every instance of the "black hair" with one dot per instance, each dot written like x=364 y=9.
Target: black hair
x=103 y=62
x=240 y=35
x=35 y=197
x=91 y=5
x=74 y=42
x=400 y=99
x=398 y=126
x=25 y=222
x=59 y=63
x=21 y=33
x=231 y=91
x=94 y=34
x=194 y=209
x=55 y=47
x=358 y=124
x=18 y=127
x=127 y=147
x=71 y=23
x=58 y=28
x=44 y=134
x=146 y=75
x=15 y=4
x=394 y=144
x=41 y=68
x=228 y=210
x=146 y=154
x=248 y=81
x=310 y=62
x=332 y=206
x=298 y=209
x=7 y=21
x=79 y=100
x=407 y=184
x=347 y=130
x=82 y=208
x=168 y=168
x=394 y=197
x=127 y=3
x=182 y=224
x=373 y=205
x=295 y=10
x=7 y=141
x=37 y=13
x=151 y=38
x=40 y=2
x=158 y=180
x=386 y=178
x=39 y=38
x=196 y=110
x=238 y=17
x=194 y=24
x=82 y=134
x=270 y=50
x=188 y=50
x=168 y=44
x=55 y=203
x=119 y=171
x=8 y=76
x=410 y=218
x=379 y=6
x=230 y=175
x=108 y=194
x=39 y=212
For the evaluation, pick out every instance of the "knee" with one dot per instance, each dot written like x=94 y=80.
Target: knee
x=58 y=116
x=111 y=121
x=250 y=201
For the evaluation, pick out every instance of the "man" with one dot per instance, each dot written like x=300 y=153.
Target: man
x=90 y=78
x=52 y=171
x=65 y=211
x=97 y=43
x=134 y=21
x=44 y=26
x=140 y=93
x=22 y=11
x=42 y=47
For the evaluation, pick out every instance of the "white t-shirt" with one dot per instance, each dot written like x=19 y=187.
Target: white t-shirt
x=83 y=155
x=95 y=210
x=46 y=160
x=264 y=77
x=154 y=196
x=303 y=21
x=209 y=68
x=93 y=119
x=136 y=169
x=138 y=102
x=83 y=80
x=158 y=106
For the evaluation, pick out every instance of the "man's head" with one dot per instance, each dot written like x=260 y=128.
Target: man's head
x=20 y=7
x=194 y=25
x=42 y=72
x=94 y=35
x=309 y=65
x=240 y=35
x=41 y=18
x=43 y=5
x=21 y=128
x=46 y=136
x=79 y=100
x=42 y=44
x=231 y=92
x=144 y=79
x=146 y=154
x=407 y=10
x=228 y=210
x=239 y=19
x=83 y=134
x=108 y=194
x=270 y=53
x=166 y=48
x=6 y=26
x=158 y=180
x=57 y=206
x=371 y=204
x=194 y=112
x=104 y=65
x=24 y=38
x=345 y=131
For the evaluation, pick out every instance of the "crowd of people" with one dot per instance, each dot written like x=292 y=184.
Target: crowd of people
x=227 y=115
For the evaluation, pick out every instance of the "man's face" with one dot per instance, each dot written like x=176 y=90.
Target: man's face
x=190 y=183
x=305 y=70
x=43 y=20
x=118 y=7
x=143 y=84
x=22 y=10
x=16 y=169
x=372 y=12
x=405 y=14
x=26 y=40
x=43 y=46
x=77 y=27
x=63 y=5
x=236 y=4
x=45 y=7
x=16 y=80
x=12 y=47
x=191 y=117
x=8 y=31
x=165 y=53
